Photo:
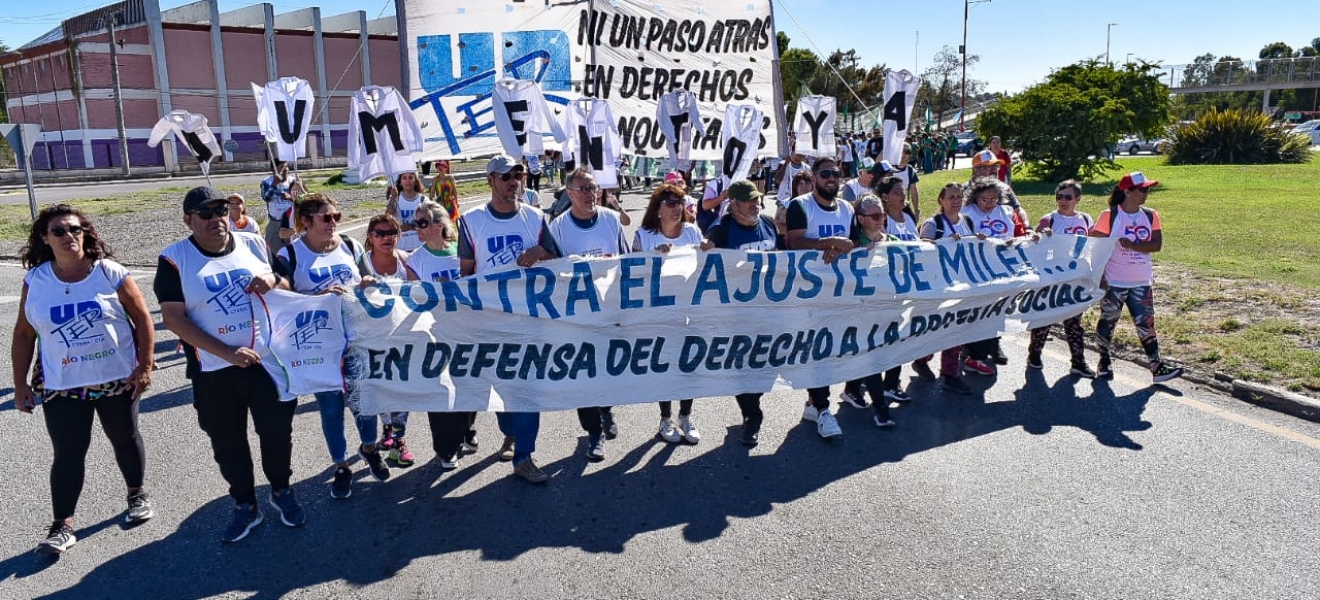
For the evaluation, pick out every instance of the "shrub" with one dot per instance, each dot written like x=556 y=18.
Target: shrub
x=1235 y=137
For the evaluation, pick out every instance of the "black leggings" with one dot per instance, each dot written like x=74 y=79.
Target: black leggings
x=69 y=423
x=667 y=408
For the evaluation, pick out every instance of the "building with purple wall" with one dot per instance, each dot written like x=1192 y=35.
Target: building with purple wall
x=193 y=58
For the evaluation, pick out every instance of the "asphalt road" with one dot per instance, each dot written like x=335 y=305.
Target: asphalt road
x=1039 y=486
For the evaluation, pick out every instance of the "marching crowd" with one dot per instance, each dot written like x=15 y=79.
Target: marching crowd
x=80 y=307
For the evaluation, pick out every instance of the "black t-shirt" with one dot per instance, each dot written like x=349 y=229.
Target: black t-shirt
x=796 y=218
x=875 y=146
x=168 y=287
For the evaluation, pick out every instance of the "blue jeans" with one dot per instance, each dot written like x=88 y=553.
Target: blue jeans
x=523 y=428
x=331 y=405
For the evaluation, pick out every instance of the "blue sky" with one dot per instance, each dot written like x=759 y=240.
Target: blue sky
x=1019 y=41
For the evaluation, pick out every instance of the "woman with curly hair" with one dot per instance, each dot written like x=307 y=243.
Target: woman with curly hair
x=85 y=320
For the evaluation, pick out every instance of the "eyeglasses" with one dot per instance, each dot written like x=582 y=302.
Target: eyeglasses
x=213 y=212
x=514 y=174
x=328 y=217
x=421 y=223
x=384 y=233
x=71 y=230
x=828 y=174
x=590 y=189
x=672 y=202
x=1065 y=197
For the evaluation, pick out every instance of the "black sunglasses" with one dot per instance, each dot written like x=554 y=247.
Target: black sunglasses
x=590 y=189
x=828 y=173
x=421 y=224
x=514 y=174
x=1068 y=197
x=213 y=212
x=71 y=230
x=384 y=233
x=328 y=217
x=672 y=201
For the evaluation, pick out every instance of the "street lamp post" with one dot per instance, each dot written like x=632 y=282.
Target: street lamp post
x=962 y=113
x=1109 y=29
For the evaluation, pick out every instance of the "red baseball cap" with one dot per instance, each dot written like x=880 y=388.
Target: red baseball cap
x=1136 y=179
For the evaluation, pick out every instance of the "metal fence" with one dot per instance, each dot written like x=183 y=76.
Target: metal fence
x=1283 y=72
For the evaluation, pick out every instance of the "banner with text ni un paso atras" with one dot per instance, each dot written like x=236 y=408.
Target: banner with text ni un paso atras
x=571 y=333
x=628 y=52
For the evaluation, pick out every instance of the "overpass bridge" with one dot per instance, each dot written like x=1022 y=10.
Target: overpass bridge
x=1244 y=76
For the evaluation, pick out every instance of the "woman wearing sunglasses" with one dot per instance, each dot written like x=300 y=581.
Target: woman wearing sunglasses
x=335 y=259
x=883 y=387
x=666 y=224
x=1066 y=219
x=385 y=262
x=93 y=359
x=949 y=222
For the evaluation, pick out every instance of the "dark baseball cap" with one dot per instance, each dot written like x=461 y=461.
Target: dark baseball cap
x=743 y=190
x=201 y=196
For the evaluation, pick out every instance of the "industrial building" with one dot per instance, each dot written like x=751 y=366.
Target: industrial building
x=192 y=58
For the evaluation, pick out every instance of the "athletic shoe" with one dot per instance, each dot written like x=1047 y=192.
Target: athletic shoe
x=809 y=412
x=956 y=385
x=828 y=426
x=387 y=437
x=139 y=507
x=611 y=428
x=529 y=471
x=855 y=399
x=1161 y=372
x=897 y=395
x=999 y=358
x=596 y=448
x=448 y=463
x=244 y=519
x=506 y=450
x=58 y=539
x=470 y=445
x=668 y=433
x=287 y=506
x=922 y=369
x=751 y=431
x=342 y=486
x=1081 y=370
x=689 y=429
x=883 y=422
x=1105 y=369
x=978 y=367
x=1033 y=362
x=400 y=455
x=374 y=463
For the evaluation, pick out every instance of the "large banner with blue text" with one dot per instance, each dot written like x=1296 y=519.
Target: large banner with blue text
x=572 y=333
x=630 y=53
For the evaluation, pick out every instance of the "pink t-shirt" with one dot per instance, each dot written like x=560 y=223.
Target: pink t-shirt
x=1129 y=268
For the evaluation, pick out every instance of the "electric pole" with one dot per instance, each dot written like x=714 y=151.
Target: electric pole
x=119 y=96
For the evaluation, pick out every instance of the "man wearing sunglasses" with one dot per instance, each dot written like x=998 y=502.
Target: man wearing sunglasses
x=820 y=221
x=204 y=284
x=498 y=233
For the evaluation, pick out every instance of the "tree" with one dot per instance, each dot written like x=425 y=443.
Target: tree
x=1276 y=50
x=782 y=40
x=1062 y=125
x=864 y=86
x=941 y=85
x=1311 y=50
x=797 y=66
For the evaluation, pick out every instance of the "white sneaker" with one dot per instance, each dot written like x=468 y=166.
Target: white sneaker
x=668 y=433
x=689 y=429
x=828 y=426
x=809 y=413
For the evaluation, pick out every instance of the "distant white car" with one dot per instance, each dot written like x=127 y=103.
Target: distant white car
x=1132 y=145
x=1310 y=129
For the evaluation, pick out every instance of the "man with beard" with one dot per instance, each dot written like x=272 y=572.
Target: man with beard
x=820 y=221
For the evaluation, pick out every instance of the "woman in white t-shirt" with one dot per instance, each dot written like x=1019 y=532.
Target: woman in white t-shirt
x=1066 y=219
x=238 y=217
x=948 y=223
x=666 y=225
x=384 y=261
x=94 y=357
x=402 y=200
x=322 y=261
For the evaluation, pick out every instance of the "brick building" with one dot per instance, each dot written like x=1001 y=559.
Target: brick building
x=193 y=58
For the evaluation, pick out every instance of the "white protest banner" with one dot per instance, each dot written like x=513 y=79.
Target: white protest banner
x=571 y=333
x=813 y=126
x=627 y=52
x=900 y=97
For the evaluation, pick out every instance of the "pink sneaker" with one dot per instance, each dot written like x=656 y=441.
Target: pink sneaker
x=387 y=437
x=978 y=367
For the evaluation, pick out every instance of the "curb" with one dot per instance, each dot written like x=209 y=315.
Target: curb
x=1256 y=394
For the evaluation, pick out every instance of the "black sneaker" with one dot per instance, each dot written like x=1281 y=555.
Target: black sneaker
x=375 y=463
x=139 y=507
x=1161 y=372
x=611 y=428
x=58 y=539
x=751 y=431
x=1081 y=370
x=1033 y=362
x=956 y=385
x=342 y=486
x=922 y=369
x=245 y=518
x=470 y=445
x=854 y=399
x=1105 y=369
x=1000 y=358
x=287 y=506
x=596 y=448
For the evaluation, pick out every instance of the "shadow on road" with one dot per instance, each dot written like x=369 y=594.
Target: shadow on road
x=385 y=527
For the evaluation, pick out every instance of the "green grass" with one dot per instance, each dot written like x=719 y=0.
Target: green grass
x=1220 y=221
